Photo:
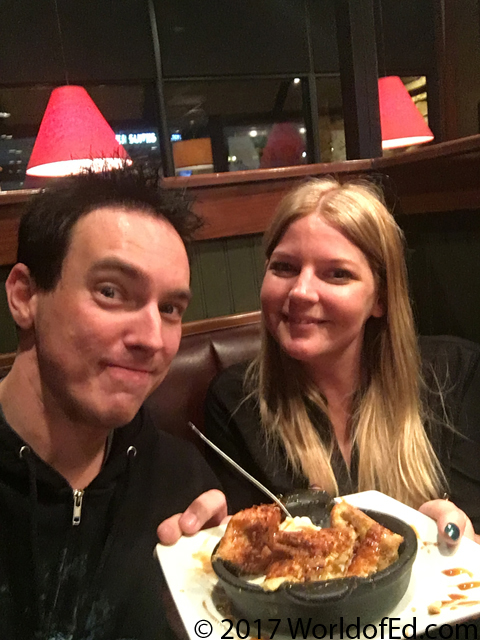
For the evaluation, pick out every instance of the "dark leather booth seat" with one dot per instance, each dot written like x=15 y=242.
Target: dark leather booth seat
x=207 y=347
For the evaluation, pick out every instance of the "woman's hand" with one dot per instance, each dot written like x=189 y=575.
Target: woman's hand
x=451 y=521
x=208 y=510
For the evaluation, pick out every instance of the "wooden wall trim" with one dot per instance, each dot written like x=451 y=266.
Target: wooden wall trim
x=8 y=240
x=441 y=177
x=232 y=204
x=436 y=178
x=11 y=206
x=450 y=150
x=440 y=202
x=262 y=175
x=222 y=322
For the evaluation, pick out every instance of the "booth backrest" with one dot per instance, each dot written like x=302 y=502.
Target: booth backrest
x=207 y=347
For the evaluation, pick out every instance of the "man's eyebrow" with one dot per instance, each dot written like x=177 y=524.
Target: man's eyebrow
x=181 y=294
x=115 y=264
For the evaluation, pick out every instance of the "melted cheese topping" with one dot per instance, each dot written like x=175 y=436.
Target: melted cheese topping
x=297 y=524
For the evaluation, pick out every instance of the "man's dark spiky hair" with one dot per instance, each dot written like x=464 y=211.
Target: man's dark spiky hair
x=46 y=226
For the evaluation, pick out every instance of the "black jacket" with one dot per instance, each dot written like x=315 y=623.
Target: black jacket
x=450 y=364
x=97 y=580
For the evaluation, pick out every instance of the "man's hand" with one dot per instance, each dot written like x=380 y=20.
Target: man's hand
x=208 y=510
x=452 y=522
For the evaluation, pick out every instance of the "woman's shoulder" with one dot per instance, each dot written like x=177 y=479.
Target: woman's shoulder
x=449 y=355
x=233 y=373
x=229 y=382
x=451 y=370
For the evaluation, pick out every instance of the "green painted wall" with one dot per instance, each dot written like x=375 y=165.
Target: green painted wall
x=8 y=338
x=226 y=277
x=443 y=258
x=444 y=265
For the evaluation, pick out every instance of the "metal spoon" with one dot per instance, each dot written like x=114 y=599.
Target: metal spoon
x=258 y=484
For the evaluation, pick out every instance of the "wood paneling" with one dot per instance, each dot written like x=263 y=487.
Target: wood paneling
x=226 y=277
x=244 y=202
x=8 y=240
x=232 y=204
x=441 y=177
x=222 y=322
x=11 y=206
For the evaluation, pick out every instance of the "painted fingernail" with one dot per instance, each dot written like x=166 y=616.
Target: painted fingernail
x=452 y=531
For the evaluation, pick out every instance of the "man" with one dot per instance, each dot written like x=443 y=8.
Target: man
x=98 y=294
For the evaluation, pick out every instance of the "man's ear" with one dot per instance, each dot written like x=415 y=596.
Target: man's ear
x=21 y=296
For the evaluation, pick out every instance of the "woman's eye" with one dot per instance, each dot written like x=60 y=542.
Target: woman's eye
x=281 y=267
x=341 y=275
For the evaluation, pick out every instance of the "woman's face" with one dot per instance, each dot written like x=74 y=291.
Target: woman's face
x=318 y=293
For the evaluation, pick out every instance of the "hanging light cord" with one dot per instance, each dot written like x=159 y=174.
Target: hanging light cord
x=382 y=38
x=60 y=35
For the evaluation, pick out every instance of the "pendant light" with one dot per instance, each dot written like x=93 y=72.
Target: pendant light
x=401 y=122
x=73 y=136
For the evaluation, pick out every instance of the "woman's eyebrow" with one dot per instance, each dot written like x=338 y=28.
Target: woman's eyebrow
x=281 y=254
x=341 y=261
x=285 y=255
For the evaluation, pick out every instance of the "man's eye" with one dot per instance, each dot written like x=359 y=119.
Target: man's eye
x=109 y=291
x=172 y=309
x=168 y=308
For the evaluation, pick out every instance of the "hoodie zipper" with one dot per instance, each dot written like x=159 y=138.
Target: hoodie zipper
x=77 y=506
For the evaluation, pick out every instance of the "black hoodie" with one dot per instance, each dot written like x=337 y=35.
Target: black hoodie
x=98 y=579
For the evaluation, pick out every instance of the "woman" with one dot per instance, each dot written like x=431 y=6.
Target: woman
x=339 y=396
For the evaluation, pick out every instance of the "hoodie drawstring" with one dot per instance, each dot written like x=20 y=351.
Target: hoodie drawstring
x=25 y=454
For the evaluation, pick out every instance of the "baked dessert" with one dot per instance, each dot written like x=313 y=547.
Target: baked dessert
x=256 y=542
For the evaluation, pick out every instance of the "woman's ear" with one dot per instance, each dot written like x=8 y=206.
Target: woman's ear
x=378 y=309
x=21 y=296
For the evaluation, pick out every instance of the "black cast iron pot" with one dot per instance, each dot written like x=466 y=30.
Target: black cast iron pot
x=338 y=602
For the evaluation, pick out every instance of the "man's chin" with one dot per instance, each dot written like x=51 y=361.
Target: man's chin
x=117 y=414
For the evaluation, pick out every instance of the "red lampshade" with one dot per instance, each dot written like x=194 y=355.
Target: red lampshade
x=74 y=135
x=401 y=122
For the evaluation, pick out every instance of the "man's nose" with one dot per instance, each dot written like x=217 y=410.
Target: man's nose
x=306 y=287
x=146 y=330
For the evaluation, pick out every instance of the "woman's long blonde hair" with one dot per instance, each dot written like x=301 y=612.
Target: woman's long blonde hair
x=395 y=455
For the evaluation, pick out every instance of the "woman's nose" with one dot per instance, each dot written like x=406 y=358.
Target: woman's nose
x=305 y=287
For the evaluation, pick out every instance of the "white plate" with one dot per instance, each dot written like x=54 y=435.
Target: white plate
x=191 y=580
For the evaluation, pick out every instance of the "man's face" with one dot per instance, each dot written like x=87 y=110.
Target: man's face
x=106 y=335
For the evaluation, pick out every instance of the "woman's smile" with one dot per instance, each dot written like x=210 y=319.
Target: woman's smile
x=318 y=292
